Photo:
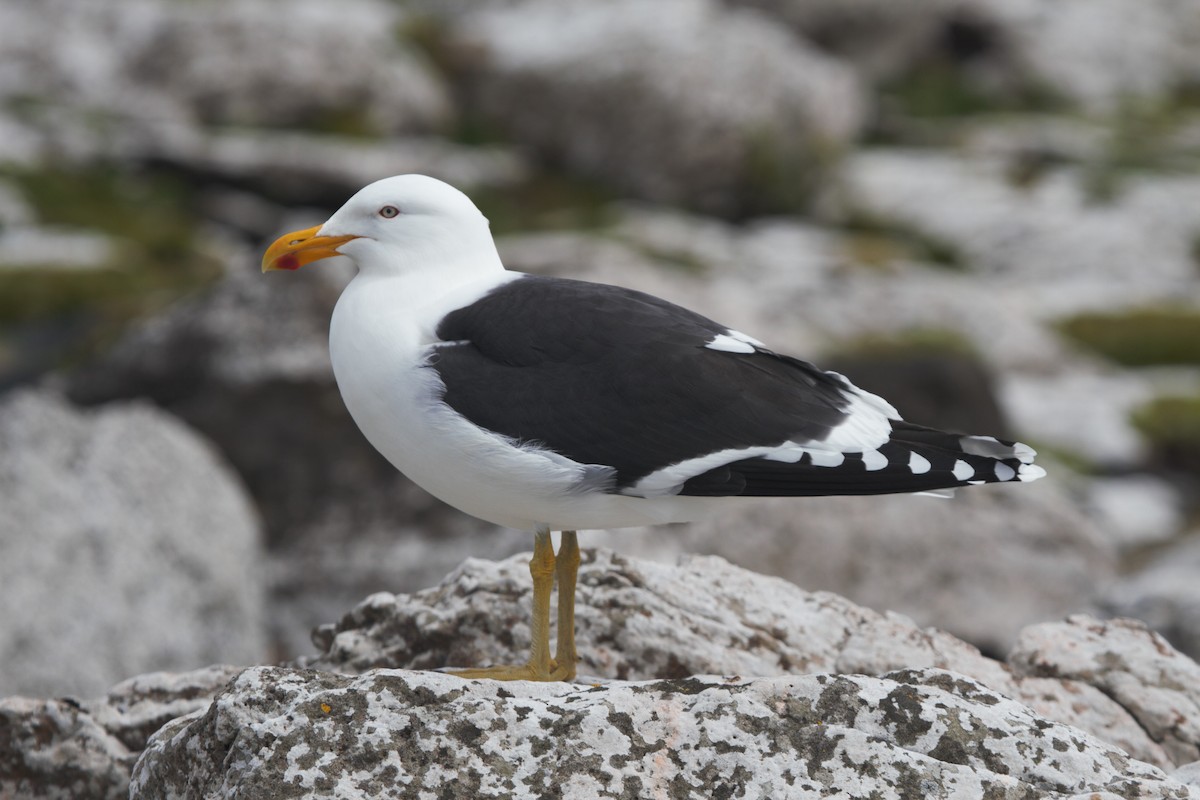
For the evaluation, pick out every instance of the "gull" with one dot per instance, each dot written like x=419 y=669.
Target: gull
x=550 y=404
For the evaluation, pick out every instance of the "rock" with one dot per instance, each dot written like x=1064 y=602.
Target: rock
x=1137 y=510
x=910 y=732
x=25 y=243
x=645 y=620
x=54 y=248
x=978 y=565
x=128 y=546
x=54 y=749
x=1101 y=54
x=67 y=749
x=1164 y=593
x=1095 y=54
x=138 y=70
x=299 y=168
x=712 y=108
x=1128 y=662
x=1135 y=247
x=880 y=37
x=1061 y=409
x=1189 y=774
x=639 y=620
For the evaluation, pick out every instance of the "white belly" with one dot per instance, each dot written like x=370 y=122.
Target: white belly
x=378 y=341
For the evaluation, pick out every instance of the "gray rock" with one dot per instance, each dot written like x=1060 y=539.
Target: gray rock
x=1101 y=53
x=709 y=107
x=300 y=167
x=982 y=564
x=1135 y=247
x=644 y=620
x=1096 y=54
x=64 y=749
x=138 y=70
x=1084 y=410
x=1128 y=662
x=54 y=247
x=909 y=733
x=1137 y=510
x=880 y=37
x=639 y=620
x=128 y=546
x=53 y=750
x=1189 y=774
x=1165 y=594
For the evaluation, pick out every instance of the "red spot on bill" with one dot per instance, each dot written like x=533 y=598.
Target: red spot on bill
x=288 y=261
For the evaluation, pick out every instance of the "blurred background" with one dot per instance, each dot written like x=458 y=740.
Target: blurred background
x=986 y=210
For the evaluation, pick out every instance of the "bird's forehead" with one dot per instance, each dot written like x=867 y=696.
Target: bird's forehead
x=417 y=192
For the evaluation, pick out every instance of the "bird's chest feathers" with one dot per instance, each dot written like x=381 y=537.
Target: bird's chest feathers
x=380 y=337
x=376 y=344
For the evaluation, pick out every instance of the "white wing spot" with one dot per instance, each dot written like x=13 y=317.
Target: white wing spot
x=963 y=470
x=728 y=343
x=1004 y=472
x=918 y=464
x=827 y=458
x=874 y=460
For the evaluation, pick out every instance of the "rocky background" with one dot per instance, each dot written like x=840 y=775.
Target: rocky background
x=986 y=210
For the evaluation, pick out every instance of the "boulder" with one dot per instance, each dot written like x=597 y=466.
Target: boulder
x=297 y=168
x=1082 y=706
x=710 y=107
x=128 y=546
x=94 y=78
x=61 y=749
x=1165 y=593
x=1129 y=663
x=1133 y=247
x=982 y=564
x=1097 y=55
x=640 y=620
x=909 y=733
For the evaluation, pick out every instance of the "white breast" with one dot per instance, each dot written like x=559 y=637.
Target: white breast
x=379 y=341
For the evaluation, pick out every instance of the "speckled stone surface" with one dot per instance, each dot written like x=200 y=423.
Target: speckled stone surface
x=640 y=620
x=64 y=749
x=278 y=733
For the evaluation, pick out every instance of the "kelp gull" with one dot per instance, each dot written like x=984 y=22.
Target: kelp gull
x=553 y=404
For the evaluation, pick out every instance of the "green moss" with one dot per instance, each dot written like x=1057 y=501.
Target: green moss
x=1139 y=337
x=682 y=260
x=784 y=173
x=876 y=242
x=908 y=342
x=352 y=121
x=547 y=201
x=153 y=210
x=940 y=88
x=151 y=218
x=1170 y=421
x=429 y=35
x=1140 y=141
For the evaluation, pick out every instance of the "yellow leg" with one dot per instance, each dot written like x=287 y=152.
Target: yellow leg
x=542 y=569
x=567 y=570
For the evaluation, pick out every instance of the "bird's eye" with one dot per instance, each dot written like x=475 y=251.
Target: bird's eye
x=387 y=212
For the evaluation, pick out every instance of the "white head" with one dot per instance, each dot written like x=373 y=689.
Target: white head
x=396 y=226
